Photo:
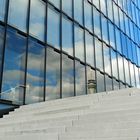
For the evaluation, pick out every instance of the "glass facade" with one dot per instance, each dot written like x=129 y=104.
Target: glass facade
x=56 y=49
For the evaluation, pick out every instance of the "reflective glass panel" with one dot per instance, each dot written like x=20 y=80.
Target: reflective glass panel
x=37 y=19
x=1 y=47
x=114 y=64
x=88 y=15
x=14 y=66
x=138 y=55
x=118 y=40
x=127 y=73
x=108 y=82
x=55 y=3
x=78 y=11
x=80 y=84
x=103 y=6
x=67 y=77
x=67 y=35
x=137 y=77
x=99 y=54
x=91 y=82
x=107 y=62
x=109 y=9
x=89 y=49
x=18 y=10
x=2 y=9
x=35 y=72
x=132 y=74
x=96 y=3
x=115 y=85
x=52 y=75
x=116 y=14
x=121 y=68
x=111 y=34
x=100 y=82
x=79 y=42
x=104 y=29
x=53 y=28
x=96 y=18
x=67 y=7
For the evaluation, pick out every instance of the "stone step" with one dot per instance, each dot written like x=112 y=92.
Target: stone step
x=74 y=111
x=100 y=105
x=81 y=113
x=88 y=98
x=34 y=136
x=103 y=102
x=68 y=116
x=51 y=109
x=93 y=138
x=35 y=125
x=104 y=125
x=83 y=133
x=45 y=129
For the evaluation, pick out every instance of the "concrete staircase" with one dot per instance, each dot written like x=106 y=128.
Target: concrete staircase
x=112 y=115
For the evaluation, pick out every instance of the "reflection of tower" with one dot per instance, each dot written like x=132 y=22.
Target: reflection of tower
x=91 y=83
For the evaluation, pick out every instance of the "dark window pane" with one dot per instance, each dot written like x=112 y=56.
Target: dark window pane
x=67 y=77
x=18 y=13
x=37 y=19
x=53 y=28
x=52 y=75
x=80 y=84
x=14 y=66
x=35 y=72
x=67 y=36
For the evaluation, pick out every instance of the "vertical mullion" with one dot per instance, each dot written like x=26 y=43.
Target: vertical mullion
x=61 y=49
x=84 y=46
x=26 y=56
x=45 y=58
x=4 y=43
x=73 y=32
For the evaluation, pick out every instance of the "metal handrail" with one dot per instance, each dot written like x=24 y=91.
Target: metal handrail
x=18 y=86
x=12 y=93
